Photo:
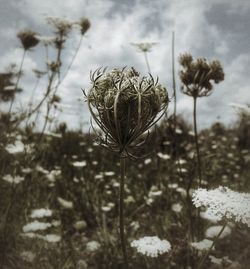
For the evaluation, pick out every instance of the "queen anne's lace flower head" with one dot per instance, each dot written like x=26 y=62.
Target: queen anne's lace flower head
x=224 y=203
x=125 y=106
x=151 y=246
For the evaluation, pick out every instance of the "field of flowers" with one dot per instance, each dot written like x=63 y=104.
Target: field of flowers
x=120 y=196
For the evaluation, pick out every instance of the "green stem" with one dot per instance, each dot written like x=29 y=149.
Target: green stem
x=203 y=259
x=121 y=214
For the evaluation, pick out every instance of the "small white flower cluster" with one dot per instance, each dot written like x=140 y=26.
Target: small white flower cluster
x=93 y=246
x=151 y=246
x=41 y=213
x=224 y=203
x=36 y=226
x=64 y=203
x=203 y=245
x=13 y=180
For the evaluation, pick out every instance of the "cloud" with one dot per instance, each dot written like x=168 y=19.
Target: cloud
x=115 y=24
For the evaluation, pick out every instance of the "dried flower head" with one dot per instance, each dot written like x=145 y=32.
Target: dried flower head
x=62 y=26
x=28 y=39
x=197 y=75
x=224 y=203
x=84 y=24
x=125 y=106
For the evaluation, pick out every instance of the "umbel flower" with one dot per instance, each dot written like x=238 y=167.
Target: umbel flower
x=197 y=75
x=144 y=47
x=151 y=246
x=125 y=106
x=224 y=203
x=28 y=39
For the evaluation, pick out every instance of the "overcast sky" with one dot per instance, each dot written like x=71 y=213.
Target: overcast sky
x=215 y=29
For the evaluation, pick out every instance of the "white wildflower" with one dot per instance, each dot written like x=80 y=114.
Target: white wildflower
x=29 y=235
x=80 y=225
x=28 y=256
x=224 y=203
x=41 y=170
x=56 y=223
x=93 y=246
x=154 y=192
x=36 y=226
x=109 y=173
x=147 y=161
x=213 y=231
x=41 y=213
x=178 y=131
x=116 y=184
x=15 y=148
x=151 y=246
x=64 y=203
x=99 y=176
x=176 y=207
x=205 y=244
x=163 y=156
x=172 y=185
x=181 y=161
x=26 y=170
x=79 y=164
x=13 y=180
x=51 y=238
x=221 y=261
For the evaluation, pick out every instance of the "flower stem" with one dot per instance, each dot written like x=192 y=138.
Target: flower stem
x=196 y=141
x=121 y=205
x=173 y=77
x=198 y=162
x=147 y=63
x=209 y=251
x=18 y=78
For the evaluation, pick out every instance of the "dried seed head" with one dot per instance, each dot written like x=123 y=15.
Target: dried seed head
x=125 y=106
x=197 y=76
x=84 y=24
x=62 y=26
x=28 y=39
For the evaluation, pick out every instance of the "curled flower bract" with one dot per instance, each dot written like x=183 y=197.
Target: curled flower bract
x=125 y=106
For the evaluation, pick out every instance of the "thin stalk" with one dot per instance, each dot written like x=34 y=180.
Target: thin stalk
x=196 y=141
x=198 y=162
x=203 y=259
x=146 y=60
x=121 y=214
x=31 y=98
x=173 y=77
x=18 y=78
x=73 y=59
